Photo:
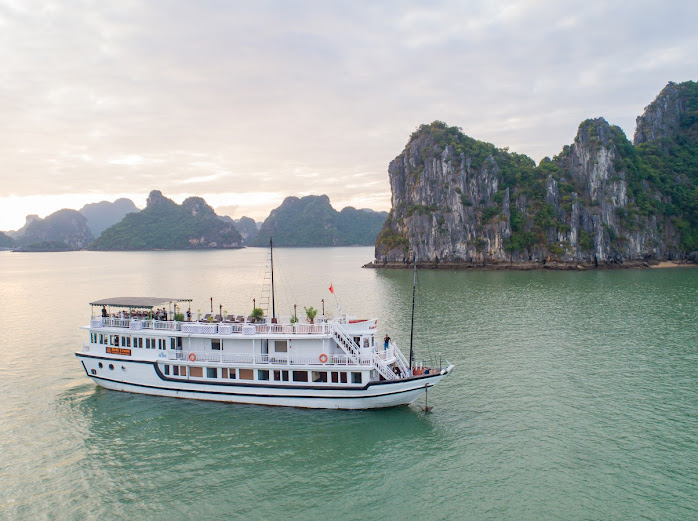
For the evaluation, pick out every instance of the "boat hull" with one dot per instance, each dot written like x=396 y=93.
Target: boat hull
x=143 y=377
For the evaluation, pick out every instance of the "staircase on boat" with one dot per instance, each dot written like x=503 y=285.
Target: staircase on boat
x=351 y=349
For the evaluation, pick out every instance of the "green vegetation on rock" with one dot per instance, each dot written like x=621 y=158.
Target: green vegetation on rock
x=311 y=221
x=601 y=199
x=163 y=224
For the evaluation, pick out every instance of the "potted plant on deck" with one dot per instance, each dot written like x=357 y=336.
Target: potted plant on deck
x=311 y=313
x=257 y=314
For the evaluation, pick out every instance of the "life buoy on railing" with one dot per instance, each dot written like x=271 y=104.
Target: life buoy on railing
x=192 y=357
x=323 y=358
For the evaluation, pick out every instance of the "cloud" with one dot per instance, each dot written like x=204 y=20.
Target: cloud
x=286 y=98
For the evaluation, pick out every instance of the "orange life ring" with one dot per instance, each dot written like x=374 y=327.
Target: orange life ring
x=323 y=358
x=192 y=357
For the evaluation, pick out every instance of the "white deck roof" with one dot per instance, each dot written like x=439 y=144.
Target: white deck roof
x=138 y=302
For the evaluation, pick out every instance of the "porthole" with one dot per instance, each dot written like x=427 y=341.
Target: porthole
x=100 y=365
x=123 y=368
x=111 y=367
x=93 y=371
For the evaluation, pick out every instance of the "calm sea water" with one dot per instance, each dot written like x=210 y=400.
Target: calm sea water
x=575 y=396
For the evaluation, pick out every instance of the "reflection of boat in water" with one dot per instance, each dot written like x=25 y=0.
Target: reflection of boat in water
x=336 y=364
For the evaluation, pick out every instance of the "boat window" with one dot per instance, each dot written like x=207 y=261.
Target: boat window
x=281 y=346
x=172 y=343
x=140 y=343
x=246 y=374
x=211 y=372
x=183 y=371
x=343 y=377
x=355 y=377
x=196 y=372
x=319 y=376
x=162 y=344
x=232 y=373
x=167 y=370
x=366 y=344
x=281 y=376
x=335 y=377
x=147 y=343
x=357 y=340
x=175 y=370
x=224 y=372
x=262 y=374
x=300 y=376
x=216 y=344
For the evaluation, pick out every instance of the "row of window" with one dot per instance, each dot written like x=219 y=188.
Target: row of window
x=232 y=373
x=137 y=342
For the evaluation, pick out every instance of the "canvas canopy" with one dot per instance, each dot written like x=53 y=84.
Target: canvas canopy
x=138 y=302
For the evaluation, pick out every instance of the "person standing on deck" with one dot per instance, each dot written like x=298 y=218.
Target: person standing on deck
x=386 y=342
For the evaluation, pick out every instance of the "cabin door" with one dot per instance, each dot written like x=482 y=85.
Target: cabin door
x=265 y=349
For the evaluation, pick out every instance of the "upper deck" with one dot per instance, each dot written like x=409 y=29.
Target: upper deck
x=232 y=328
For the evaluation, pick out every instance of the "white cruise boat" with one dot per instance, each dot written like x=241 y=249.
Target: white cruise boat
x=333 y=364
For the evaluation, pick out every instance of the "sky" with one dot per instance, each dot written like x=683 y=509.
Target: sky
x=247 y=102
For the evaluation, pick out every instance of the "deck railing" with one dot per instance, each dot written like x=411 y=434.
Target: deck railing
x=212 y=328
x=275 y=359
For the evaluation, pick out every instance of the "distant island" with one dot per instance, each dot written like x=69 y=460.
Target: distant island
x=165 y=225
x=311 y=221
x=601 y=202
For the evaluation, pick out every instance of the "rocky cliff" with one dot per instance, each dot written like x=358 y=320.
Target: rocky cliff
x=248 y=229
x=601 y=201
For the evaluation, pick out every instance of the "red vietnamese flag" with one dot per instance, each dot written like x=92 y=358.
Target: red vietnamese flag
x=331 y=289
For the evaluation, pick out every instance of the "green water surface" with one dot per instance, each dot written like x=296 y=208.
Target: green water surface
x=575 y=396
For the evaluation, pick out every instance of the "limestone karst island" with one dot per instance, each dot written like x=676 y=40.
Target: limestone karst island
x=603 y=201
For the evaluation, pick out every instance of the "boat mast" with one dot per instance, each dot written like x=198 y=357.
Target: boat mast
x=414 y=288
x=271 y=258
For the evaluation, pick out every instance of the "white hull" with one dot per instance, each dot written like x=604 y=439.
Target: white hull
x=142 y=378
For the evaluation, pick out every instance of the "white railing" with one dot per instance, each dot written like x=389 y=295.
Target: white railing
x=383 y=368
x=213 y=328
x=273 y=359
x=401 y=361
x=128 y=323
x=386 y=354
x=346 y=343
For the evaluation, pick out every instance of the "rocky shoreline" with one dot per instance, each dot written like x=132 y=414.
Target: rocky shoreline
x=531 y=266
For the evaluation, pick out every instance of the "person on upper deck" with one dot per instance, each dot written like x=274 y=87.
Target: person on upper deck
x=104 y=312
x=386 y=342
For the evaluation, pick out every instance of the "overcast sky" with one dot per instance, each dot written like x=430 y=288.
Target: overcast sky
x=245 y=103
